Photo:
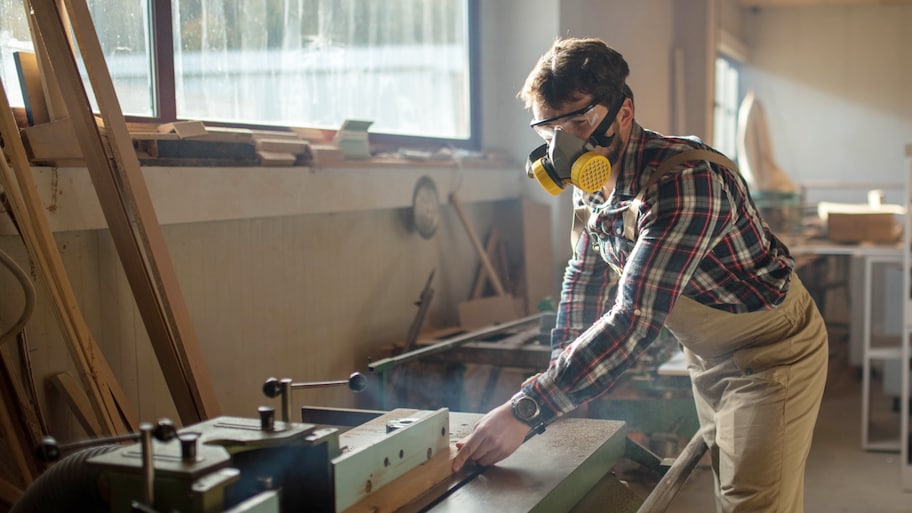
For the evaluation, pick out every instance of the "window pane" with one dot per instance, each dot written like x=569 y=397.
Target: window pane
x=123 y=28
x=725 y=112
x=402 y=64
x=14 y=37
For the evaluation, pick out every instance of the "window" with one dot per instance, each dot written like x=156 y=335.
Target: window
x=406 y=65
x=725 y=106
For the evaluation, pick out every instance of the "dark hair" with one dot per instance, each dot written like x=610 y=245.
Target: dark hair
x=574 y=66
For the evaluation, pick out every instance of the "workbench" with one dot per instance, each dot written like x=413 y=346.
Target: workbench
x=553 y=472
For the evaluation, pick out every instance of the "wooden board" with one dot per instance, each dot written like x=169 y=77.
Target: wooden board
x=53 y=141
x=477 y=313
x=184 y=129
x=36 y=109
x=79 y=404
x=538 y=271
x=275 y=158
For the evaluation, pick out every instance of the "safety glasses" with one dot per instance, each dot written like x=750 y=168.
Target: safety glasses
x=577 y=122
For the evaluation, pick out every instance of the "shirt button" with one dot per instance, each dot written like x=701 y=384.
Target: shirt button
x=618 y=230
x=636 y=312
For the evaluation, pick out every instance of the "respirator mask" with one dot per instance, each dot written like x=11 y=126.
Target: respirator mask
x=567 y=159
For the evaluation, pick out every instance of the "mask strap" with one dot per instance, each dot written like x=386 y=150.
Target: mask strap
x=598 y=135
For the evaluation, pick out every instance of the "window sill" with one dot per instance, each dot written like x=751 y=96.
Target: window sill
x=202 y=194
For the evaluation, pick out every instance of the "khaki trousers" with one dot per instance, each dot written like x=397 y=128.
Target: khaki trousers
x=758 y=379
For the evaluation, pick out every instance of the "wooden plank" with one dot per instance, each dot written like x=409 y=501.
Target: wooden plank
x=15 y=438
x=275 y=158
x=9 y=493
x=326 y=155
x=53 y=97
x=479 y=250
x=52 y=141
x=79 y=404
x=486 y=311
x=107 y=399
x=128 y=209
x=538 y=269
x=36 y=108
x=409 y=486
x=184 y=129
x=491 y=250
x=28 y=410
x=295 y=146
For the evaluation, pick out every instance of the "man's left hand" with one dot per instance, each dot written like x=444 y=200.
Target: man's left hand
x=496 y=436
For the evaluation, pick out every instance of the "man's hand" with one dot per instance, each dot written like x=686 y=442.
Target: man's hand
x=496 y=436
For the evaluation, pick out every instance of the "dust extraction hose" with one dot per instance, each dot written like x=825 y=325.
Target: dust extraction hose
x=69 y=485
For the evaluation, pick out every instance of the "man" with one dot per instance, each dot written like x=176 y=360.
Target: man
x=693 y=256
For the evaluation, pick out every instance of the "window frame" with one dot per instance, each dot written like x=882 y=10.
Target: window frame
x=165 y=105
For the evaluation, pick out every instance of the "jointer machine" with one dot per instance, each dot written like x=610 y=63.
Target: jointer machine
x=345 y=461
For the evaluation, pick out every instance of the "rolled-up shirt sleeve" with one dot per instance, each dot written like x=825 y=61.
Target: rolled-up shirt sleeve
x=595 y=340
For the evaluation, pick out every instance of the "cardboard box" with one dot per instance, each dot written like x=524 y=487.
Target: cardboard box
x=863 y=227
x=862 y=222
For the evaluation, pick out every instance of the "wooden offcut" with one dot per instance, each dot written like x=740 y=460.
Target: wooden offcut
x=184 y=129
x=126 y=204
x=52 y=141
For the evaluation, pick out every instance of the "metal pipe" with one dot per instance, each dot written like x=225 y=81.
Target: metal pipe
x=660 y=497
x=388 y=363
x=145 y=439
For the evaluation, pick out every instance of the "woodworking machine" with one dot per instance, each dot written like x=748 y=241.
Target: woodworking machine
x=334 y=461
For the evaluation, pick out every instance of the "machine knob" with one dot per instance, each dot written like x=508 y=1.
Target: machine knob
x=357 y=382
x=164 y=430
x=188 y=445
x=48 y=450
x=267 y=418
x=272 y=387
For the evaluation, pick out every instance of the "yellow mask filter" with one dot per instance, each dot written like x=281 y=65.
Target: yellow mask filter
x=568 y=160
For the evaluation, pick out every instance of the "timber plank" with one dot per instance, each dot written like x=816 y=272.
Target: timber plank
x=36 y=108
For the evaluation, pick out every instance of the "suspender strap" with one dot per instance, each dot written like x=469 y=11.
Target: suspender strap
x=632 y=212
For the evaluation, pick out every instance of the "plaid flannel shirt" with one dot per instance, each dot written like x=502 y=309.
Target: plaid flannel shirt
x=699 y=234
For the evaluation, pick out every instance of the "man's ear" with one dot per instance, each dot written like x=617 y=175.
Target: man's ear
x=625 y=115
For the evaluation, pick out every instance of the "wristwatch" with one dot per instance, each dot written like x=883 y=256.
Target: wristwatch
x=527 y=410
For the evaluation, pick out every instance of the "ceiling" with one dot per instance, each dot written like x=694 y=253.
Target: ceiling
x=802 y=3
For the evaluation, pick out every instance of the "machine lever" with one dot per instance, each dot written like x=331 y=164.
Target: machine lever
x=49 y=450
x=282 y=387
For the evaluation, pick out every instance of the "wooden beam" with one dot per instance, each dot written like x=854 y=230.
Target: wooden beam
x=15 y=438
x=127 y=206
x=79 y=404
x=9 y=493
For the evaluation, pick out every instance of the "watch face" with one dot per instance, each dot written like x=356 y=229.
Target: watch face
x=526 y=408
